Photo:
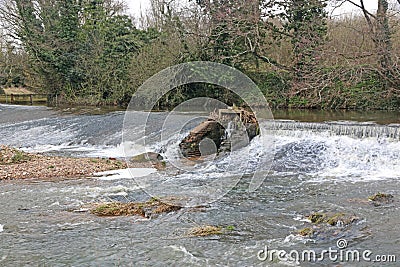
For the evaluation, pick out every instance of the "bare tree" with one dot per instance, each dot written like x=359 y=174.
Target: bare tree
x=381 y=35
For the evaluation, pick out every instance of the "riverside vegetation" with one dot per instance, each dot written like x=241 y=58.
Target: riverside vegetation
x=298 y=53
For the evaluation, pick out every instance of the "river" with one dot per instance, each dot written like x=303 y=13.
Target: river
x=322 y=163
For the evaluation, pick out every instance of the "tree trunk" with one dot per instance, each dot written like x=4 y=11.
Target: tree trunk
x=383 y=38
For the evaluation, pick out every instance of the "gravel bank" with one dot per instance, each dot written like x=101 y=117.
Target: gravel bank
x=15 y=164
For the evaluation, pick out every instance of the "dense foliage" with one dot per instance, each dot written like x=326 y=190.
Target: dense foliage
x=91 y=52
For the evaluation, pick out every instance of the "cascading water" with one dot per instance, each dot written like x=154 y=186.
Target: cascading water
x=325 y=166
x=229 y=130
x=343 y=128
x=337 y=149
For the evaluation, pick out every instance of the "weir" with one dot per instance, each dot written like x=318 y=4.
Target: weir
x=351 y=129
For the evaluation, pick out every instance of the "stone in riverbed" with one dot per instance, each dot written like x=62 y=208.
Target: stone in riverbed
x=336 y=219
x=147 y=160
x=381 y=198
x=149 y=156
x=306 y=232
x=147 y=209
x=330 y=226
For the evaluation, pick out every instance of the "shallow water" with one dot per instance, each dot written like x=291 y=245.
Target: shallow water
x=320 y=166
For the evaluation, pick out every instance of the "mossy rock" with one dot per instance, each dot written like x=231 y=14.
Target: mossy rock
x=317 y=218
x=149 y=156
x=330 y=226
x=306 y=232
x=155 y=206
x=144 y=209
x=203 y=231
x=117 y=209
x=381 y=198
x=336 y=219
x=339 y=219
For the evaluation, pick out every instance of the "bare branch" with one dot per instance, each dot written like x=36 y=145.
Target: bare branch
x=367 y=15
x=362 y=7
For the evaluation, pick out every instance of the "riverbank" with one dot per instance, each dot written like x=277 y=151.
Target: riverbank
x=16 y=164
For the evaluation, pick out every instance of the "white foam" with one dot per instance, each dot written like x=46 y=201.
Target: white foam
x=1 y=228
x=368 y=159
x=130 y=173
x=120 y=151
x=345 y=158
x=91 y=151
x=48 y=148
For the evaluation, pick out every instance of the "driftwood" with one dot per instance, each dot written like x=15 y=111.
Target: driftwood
x=215 y=129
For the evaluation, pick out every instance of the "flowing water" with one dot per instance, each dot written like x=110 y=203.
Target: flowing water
x=330 y=165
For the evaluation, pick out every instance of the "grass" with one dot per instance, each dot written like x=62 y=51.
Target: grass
x=19 y=157
x=230 y=228
x=12 y=156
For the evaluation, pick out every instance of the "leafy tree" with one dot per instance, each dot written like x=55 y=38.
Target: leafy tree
x=109 y=45
x=13 y=67
x=82 y=49
x=47 y=30
x=305 y=23
x=235 y=31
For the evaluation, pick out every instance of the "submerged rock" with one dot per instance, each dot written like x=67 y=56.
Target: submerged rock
x=330 y=226
x=146 y=157
x=143 y=209
x=381 y=198
x=147 y=160
x=336 y=219
x=206 y=230
x=306 y=232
